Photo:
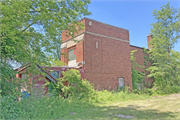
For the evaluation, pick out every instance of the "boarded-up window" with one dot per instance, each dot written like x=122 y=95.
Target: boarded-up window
x=71 y=55
x=139 y=86
x=121 y=82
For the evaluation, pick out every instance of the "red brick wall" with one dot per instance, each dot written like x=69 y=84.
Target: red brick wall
x=149 y=37
x=64 y=58
x=139 y=54
x=65 y=38
x=35 y=79
x=79 y=51
x=40 y=83
x=107 y=30
x=107 y=63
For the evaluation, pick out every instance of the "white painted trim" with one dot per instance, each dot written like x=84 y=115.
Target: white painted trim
x=72 y=63
x=73 y=37
x=64 y=45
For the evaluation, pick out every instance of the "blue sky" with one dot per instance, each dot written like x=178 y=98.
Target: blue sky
x=134 y=15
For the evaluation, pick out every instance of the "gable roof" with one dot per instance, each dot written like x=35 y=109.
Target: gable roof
x=47 y=74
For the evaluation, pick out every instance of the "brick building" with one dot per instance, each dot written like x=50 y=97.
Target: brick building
x=51 y=75
x=104 y=52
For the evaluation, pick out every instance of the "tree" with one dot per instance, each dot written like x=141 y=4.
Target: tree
x=165 y=68
x=31 y=30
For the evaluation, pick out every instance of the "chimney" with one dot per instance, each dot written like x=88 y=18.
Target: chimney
x=149 y=37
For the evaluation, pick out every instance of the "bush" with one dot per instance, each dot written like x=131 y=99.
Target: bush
x=9 y=110
x=75 y=87
x=40 y=107
x=144 y=91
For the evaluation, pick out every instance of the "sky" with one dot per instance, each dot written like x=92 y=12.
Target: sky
x=134 y=15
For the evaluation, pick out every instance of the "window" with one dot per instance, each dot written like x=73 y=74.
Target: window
x=71 y=55
x=121 y=82
x=96 y=44
x=139 y=86
x=55 y=74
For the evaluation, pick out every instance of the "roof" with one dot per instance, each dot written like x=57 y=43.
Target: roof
x=49 y=76
x=137 y=46
x=40 y=69
x=22 y=67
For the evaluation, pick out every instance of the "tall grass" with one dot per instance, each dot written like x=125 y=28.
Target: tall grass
x=112 y=96
x=39 y=108
x=46 y=107
x=81 y=97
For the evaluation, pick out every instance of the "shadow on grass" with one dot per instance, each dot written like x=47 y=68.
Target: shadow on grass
x=140 y=112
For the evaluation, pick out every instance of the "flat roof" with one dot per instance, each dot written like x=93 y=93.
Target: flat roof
x=137 y=46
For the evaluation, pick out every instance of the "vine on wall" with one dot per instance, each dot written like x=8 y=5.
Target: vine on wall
x=137 y=76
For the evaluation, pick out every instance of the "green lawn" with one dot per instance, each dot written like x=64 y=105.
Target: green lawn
x=158 y=107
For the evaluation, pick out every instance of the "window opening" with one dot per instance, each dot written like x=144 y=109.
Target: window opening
x=121 y=82
x=71 y=55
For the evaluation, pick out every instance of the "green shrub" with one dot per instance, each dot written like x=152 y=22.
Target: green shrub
x=40 y=107
x=144 y=91
x=76 y=87
x=9 y=110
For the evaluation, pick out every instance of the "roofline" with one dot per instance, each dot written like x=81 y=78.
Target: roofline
x=73 y=37
x=22 y=67
x=137 y=46
x=140 y=47
x=103 y=23
x=70 y=23
x=99 y=22
x=96 y=35
x=39 y=68
x=49 y=76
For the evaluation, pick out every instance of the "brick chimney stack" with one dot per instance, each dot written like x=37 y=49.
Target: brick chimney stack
x=149 y=37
